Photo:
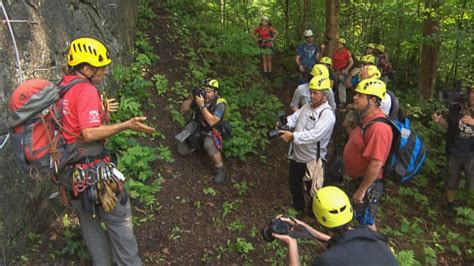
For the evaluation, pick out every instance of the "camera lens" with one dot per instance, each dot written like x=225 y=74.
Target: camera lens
x=267 y=234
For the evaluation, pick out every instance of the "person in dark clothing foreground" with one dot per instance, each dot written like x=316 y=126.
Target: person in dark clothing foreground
x=346 y=246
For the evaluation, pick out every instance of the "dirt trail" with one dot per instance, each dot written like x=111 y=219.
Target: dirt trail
x=191 y=225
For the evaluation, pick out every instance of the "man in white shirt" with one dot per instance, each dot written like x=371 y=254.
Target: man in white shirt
x=313 y=124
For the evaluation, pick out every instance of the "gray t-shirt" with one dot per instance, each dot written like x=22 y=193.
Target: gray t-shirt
x=301 y=97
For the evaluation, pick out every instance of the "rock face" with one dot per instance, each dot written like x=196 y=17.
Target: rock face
x=42 y=30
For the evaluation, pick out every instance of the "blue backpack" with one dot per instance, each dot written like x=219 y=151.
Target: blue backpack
x=407 y=154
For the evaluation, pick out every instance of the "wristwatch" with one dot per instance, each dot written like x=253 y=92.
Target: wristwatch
x=202 y=107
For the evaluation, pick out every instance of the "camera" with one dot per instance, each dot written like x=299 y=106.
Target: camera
x=198 y=92
x=282 y=125
x=276 y=225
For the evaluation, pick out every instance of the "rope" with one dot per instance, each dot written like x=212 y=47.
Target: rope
x=17 y=55
x=5 y=141
x=7 y=20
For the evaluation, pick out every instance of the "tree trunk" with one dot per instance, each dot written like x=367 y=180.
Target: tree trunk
x=223 y=14
x=430 y=49
x=332 y=26
x=287 y=22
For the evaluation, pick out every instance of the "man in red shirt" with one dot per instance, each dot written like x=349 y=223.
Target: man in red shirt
x=342 y=63
x=366 y=152
x=102 y=197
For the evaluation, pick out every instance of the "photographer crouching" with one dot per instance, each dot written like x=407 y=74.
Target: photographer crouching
x=209 y=124
x=313 y=124
x=345 y=246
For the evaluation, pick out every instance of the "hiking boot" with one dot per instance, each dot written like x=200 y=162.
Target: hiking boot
x=219 y=178
x=449 y=211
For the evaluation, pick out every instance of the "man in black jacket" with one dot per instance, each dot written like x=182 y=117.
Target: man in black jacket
x=346 y=246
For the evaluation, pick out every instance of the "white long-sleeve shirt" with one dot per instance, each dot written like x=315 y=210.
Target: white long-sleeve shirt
x=309 y=128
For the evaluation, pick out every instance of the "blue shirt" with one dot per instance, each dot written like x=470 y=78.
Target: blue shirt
x=307 y=53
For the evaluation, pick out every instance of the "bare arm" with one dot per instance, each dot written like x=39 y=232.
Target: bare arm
x=351 y=63
x=440 y=120
x=371 y=174
x=254 y=35
x=209 y=117
x=293 y=255
x=104 y=131
x=318 y=56
x=276 y=33
x=186 y=105
x=297 y=60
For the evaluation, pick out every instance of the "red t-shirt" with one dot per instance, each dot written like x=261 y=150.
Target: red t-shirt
x=340 y=58
x=264 y=33
x=82 y=108
x=374 y=144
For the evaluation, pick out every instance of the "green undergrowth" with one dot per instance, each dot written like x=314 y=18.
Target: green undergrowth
x=410 y=214
x=230 y=57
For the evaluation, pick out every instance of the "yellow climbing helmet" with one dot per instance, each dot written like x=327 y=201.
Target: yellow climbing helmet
x=368 y=58
x=341 y=40
x=326 y=60
x=373 y=72
x=320 y=83
x=372 y=86
x=371 y=45
x=88 y=50
x=210 y=83
x=380 y=47
x=319 y=70
x=332 y=207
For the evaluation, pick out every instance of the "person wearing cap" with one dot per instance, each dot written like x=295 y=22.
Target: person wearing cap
x=342 y=63
x=307 y=55
x=366 y=152
x=313 y=124
x=264 y=34
x=345 y=245
x=210 y=111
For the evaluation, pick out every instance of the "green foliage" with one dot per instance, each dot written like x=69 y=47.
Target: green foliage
x=236 y=225
x=209 y=191
x=407 y=258
x=74 y=245
x=242 y=246
x=411 y=226
x=144 y=192
x=165 y=154
x=242 y=187
x=161 y=84
x=465 y=216
x=135 y=160
x=229 y=207
x=413 y=192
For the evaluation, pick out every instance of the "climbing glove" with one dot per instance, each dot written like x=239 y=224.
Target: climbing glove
x=107 y=196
